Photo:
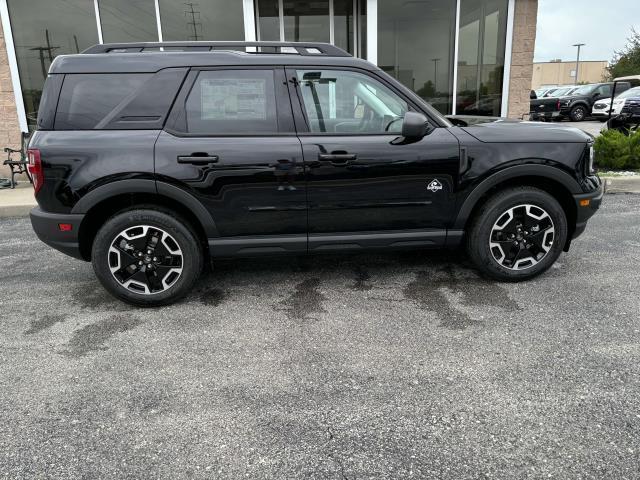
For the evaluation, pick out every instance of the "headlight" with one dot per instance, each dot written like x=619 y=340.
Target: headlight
x=592 y=156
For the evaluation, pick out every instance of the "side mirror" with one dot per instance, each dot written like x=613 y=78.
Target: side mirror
x=414 y=125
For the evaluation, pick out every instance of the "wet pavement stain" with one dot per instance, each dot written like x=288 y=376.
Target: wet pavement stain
x=212 y=297
x=92 y=338
x=304 y=301
x=42 y=323
x=429 y=288
x=362 y=280
x=94 y=297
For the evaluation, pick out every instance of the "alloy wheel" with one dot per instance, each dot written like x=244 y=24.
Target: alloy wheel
x=522 y=237
x=145 y=260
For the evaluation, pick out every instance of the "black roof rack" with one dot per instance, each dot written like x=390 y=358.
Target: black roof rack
x=296 y=48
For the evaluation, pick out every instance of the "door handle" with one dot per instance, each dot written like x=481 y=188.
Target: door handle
x=198 y=158
x=337 y=157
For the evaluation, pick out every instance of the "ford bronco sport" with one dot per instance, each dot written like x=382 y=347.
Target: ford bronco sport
x=150 y=158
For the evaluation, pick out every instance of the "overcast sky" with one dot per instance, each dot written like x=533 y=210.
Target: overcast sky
x=604 y=25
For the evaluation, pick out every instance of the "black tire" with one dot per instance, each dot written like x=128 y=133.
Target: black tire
x=186 y=257
x=578 y=113
x=480 y=234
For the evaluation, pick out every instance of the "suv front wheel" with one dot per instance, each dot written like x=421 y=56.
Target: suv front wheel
x=517 y=234
x=146 y=257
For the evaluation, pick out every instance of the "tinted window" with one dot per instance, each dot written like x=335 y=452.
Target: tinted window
x=85 y=100
x=232 y=102
x=349 y=102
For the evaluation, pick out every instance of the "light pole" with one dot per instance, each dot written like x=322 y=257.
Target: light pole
x=579 y=45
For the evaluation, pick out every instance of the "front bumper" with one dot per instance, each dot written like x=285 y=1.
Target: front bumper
x=587 y=204
x=47 y=228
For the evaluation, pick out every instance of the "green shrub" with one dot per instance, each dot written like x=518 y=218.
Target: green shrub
x=617 y=151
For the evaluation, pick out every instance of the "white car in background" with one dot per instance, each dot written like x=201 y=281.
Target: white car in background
x=602 y=107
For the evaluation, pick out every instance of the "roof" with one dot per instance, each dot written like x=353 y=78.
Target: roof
x=151 y=57
x=623 y=79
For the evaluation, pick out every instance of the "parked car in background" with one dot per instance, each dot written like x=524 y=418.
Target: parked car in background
x=578 y=106
x=547 y=107
x=602 y=107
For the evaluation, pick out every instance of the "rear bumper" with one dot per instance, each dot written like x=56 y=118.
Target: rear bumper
x=587 y=204
x=543 y=116
x=47 y=228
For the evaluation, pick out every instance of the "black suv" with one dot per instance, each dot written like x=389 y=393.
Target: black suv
x=151 y=158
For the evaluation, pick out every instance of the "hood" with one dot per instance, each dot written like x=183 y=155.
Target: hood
x=526 y=132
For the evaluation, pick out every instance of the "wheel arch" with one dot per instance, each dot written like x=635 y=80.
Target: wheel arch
x=557 y=183
x=106 y=200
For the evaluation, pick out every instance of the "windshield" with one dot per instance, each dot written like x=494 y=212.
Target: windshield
x=560 y=92
x=632 y=92
x=585 y=90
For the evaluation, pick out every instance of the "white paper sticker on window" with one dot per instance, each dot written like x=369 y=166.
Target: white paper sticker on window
x=233 y=99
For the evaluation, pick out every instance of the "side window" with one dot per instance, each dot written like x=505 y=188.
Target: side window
x=86 y=99
x=232 y=102
x=349 y=102
x=605 y=90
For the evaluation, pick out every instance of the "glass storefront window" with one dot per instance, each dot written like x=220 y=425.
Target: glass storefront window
x=481 y=53
x=128 y=21
x=306 y=20
x=343 y=24
x=310 y=21
x=268 y=14
x=201 y=20
x=43 y=29
x=416 y=45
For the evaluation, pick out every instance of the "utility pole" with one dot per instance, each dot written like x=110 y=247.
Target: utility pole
x=435 y=73
x=579 y=45
x=193 y=22
x=41 y=51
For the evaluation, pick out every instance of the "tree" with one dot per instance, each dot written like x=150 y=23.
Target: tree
x=627 y=61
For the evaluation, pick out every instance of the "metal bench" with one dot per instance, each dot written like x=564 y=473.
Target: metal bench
x=17 y=167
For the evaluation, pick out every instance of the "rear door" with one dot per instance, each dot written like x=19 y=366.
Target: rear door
x=230 y=141
x=365 y=182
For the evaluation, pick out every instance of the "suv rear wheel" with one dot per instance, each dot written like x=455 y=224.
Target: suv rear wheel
x=146 y=257
x=517 y=234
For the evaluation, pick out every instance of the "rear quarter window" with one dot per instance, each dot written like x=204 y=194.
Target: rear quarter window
x=87 y=99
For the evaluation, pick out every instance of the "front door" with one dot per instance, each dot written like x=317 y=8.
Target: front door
x=361 y=175
x=230 y=142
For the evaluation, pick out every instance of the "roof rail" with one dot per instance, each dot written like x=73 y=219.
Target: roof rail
x=299 y=48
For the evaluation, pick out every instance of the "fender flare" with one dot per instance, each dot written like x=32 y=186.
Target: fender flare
x=177 y=194
x=542 y=171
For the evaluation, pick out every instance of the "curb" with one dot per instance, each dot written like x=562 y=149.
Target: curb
x=621 y=184
x=9 y=211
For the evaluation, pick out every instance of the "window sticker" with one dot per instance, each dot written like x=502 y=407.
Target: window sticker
x=233 y=99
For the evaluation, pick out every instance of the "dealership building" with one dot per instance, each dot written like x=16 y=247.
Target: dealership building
x=466 y=57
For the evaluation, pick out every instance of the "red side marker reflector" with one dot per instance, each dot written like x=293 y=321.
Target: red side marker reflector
x=65 y=227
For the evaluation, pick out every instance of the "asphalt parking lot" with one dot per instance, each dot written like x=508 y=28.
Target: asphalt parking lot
x=405 y=365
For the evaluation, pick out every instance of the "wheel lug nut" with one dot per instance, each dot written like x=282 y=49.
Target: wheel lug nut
x=140 y=262
x=155 y=259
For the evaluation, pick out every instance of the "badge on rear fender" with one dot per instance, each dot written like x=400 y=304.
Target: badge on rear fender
x=434 y=186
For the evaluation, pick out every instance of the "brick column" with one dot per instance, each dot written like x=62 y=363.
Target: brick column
x=9 y=127
x=524 y=41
